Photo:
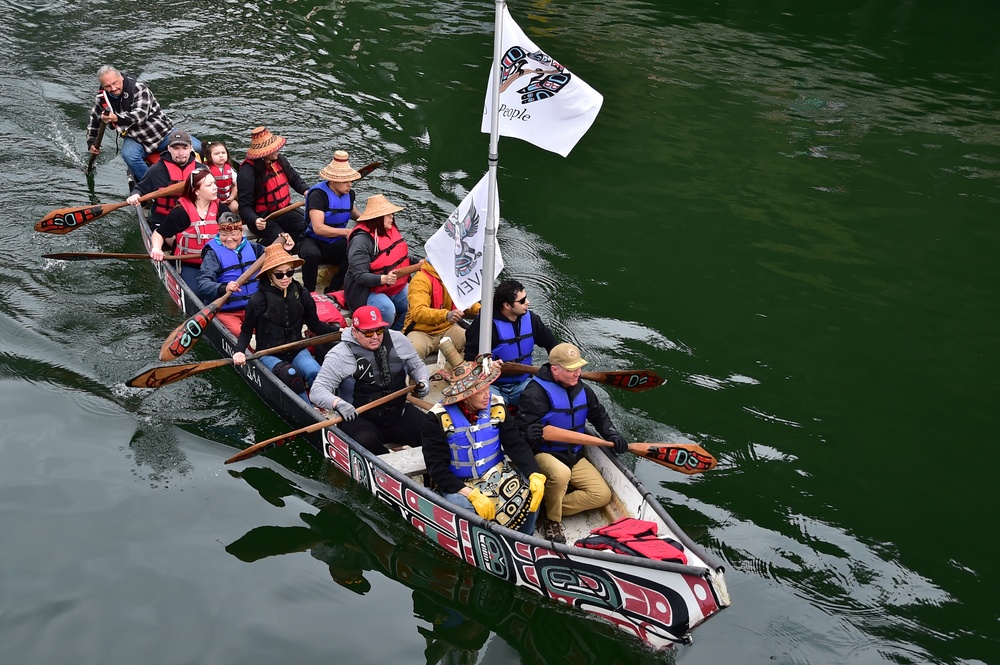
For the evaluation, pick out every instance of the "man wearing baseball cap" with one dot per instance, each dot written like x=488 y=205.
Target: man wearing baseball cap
x=556 y=396
x=369 y=362
x=176 y=163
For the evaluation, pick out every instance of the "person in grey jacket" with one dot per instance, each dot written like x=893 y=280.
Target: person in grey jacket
x=369 y=362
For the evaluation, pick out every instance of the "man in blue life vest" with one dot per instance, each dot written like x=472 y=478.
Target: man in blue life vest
x=556 y=396
x=329 y=207
x=516 y=332
x=475 y=455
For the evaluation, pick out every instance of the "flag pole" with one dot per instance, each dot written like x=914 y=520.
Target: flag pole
x=489 y=242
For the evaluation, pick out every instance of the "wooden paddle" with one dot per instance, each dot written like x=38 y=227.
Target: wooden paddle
x=86 y=256
x=635 y=380
x=188 y=333
x=164 y=375
x=64 y=220
x=97 y=144
x=689 y=458
x=265 y=446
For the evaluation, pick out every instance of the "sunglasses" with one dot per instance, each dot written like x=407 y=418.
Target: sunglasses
x=282 y=275
x=522 y=300
x=371 y=333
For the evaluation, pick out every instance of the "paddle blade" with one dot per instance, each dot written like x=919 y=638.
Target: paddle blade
x=689 y=458
x=188 y=333
x=165 y=375
x=64 y=220
x=368 y=168
x=634 y=380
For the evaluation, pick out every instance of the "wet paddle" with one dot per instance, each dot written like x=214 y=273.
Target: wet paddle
x=689 y=458
x=64 y=220
x=97 y=144
x=87 y=256
x=164 y=375
x=188 y=333
x=265 y=446
x=635 y=380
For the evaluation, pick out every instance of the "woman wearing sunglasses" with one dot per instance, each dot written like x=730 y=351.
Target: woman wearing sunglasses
x=370 y=362
x=276 y=313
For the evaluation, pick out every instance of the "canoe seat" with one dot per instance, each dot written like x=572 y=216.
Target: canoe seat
x=408 y=461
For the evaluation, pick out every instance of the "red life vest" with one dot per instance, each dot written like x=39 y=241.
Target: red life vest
x=276 y=193
x=437 y=291
x=634 y=537
x=163 y=205
x=392 y=255
x=196 y=236
x=223 y=178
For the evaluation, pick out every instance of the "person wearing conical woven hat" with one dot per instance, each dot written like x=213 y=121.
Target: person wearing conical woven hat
x=223 y=260
x=276 y=313
x=264 y=184
x=376 y=255
x=329 y=207
x=556 y=396
x=474 y=452
x=370 y=362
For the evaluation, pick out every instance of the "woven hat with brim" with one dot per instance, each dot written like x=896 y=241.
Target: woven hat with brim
x=264 y=143
x=378 y=206
x=468 y=378
x=339 y=170
x=567 y=356
x=275 y=255
x=367 y=317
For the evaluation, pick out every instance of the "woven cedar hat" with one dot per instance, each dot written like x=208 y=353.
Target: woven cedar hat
x=339 y=170
x=466 y=378
x=378 y=206
x=274 y=256
x=264 y=143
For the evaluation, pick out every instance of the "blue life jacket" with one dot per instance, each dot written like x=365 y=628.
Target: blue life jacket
x=234 y=263
x=511 y=347
x=336 y=215
x=474 y=449
x=563 y=413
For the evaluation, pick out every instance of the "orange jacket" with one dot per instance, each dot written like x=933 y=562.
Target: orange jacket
x=422 y=314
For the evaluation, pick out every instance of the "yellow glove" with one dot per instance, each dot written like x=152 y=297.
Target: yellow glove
x=536 y=482
x=484 y=507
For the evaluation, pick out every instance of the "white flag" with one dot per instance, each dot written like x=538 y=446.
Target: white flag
x=456 y=249
x=541 y=102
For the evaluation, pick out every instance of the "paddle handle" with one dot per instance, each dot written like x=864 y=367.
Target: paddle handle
x=274 y=442
x=281 y=211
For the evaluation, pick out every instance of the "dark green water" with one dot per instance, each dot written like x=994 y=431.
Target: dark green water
x=789 y=210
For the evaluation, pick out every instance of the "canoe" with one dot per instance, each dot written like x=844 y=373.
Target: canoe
x=658 y=602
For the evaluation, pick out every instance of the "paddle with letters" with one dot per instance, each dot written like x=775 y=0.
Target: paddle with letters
x=87 y=256
x=635 y=380
x=689 y=458
x=265 y=446
x=164 y=375
x=188 y=333
x=65 y=220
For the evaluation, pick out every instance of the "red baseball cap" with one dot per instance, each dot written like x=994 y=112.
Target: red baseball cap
x=368 y=318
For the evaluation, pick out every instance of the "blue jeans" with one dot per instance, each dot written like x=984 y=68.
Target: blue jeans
x=303 y=362
x=134 y=155
x=460 y=499
x=393 y=308
x=511 y=392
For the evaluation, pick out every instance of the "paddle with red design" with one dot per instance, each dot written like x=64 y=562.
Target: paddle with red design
x=188 y=333
x=689 y=458
x=65 y=220
x=265 y=446
x=634 y=380
x=164 y=375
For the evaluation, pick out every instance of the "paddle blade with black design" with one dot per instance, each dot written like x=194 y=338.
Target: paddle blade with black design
x=634 y=380
x=689 y=458
x=65 y=220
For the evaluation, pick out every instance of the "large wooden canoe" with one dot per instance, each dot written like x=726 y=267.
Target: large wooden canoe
x=658 y=602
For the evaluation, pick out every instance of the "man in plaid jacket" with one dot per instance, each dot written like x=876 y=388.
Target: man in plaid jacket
x=132 y=110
